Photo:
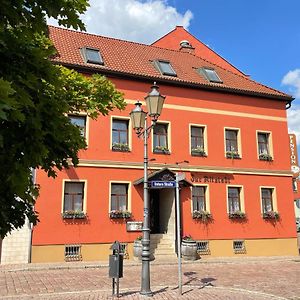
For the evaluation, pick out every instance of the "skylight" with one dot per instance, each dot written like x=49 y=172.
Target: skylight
x=92 y=56
x=165 y=68
x=210 y=74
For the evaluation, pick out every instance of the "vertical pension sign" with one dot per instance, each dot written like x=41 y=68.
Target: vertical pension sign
x=294 y=155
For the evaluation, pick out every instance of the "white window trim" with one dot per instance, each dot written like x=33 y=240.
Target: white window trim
x=270 y=141
x=204 y=136
x=274 y=197
x=242 y=196
x=87 y=124
x=129 y=130
x=128 y=191
x=84 y=193
x=207 y=198
x=239 y=140
x=169 y=135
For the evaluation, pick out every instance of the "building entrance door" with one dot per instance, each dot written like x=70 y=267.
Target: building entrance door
x=154 y=211
x=162 y=211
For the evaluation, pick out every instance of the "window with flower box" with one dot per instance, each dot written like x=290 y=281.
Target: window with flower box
x=120 y=138
x=264 y=146
x=160 y=138
x=197 y=140
x=119 y=201
x=267 y=203
x=232 y=141
x=235 y=203
x=200 y=203
x=73 y=201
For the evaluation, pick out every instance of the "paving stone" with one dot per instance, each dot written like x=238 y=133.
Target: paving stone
x=260 y=278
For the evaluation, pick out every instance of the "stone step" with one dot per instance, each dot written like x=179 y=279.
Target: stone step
x=164 y=252
x=161 y=257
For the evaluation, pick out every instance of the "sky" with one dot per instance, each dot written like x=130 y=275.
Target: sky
x=259 y=37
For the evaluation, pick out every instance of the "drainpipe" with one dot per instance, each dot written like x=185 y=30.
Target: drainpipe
x=288 y=104
x=30 y=225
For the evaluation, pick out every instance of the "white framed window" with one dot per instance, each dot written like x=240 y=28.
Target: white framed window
x=198 y=140
x=120 y=200
x=74 y=199
x=268 y=202
x=161 y=138
x=81 y=120
x=200 y=203
x=233 y=148
x=120 y=134
x=264 y=145
x=235 y=201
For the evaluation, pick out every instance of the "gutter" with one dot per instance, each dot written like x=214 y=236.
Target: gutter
x=125 y=75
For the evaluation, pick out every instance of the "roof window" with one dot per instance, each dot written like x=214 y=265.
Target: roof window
x=165 y=68
x=92 y=55
x=210 y=74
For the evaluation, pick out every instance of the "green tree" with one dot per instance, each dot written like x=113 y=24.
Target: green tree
x=35 y=99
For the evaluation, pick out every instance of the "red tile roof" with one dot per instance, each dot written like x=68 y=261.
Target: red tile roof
x=172 y=40
x=136 y=59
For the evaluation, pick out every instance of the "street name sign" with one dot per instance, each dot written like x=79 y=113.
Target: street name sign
x=163 y=184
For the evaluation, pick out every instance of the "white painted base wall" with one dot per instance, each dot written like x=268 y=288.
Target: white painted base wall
x=16 y=246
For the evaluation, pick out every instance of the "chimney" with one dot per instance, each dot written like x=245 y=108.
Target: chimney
x=185 y=46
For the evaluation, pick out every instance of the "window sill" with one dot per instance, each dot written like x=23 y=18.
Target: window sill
x=265 y=158
x=74 y=215
x=271 y=215
x=239 y=215
x=233 y=155
x=159 y=151
x=120 y=215
x=200 y=154
x=122 y=148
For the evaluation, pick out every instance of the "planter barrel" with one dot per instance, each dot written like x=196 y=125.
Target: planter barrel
x=189 y=250
x=137 y=251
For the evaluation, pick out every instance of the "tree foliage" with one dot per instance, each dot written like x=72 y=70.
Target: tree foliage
x=35 y=99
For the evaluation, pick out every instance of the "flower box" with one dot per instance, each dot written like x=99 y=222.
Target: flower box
x=271 y=215
x=161 y=149
x=120 y=147
x=266 y=157
x=119 y=214
x=198 y=152
x=232 y=155
x=237 y=215
x=202 y=215
x=71 y=214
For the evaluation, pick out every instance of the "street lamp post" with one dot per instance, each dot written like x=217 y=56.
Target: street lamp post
x=154 y=103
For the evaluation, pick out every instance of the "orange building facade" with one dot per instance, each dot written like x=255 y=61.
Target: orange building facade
x=227 y=135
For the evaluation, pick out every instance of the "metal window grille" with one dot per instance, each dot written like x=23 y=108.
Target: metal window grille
x=73 y=253
x=124 y=250
x=239 y=247
x=203 y=247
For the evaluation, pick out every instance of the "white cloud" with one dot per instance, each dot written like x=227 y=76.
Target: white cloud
x=292 y=79
x=142 y=21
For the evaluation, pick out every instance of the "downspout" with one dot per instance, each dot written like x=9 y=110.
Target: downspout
x=30 y=225
x=288 y=104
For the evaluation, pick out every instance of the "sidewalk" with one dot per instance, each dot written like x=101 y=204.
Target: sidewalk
x=234 y=278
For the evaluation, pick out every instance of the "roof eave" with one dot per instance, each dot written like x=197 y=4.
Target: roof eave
x=216 y=88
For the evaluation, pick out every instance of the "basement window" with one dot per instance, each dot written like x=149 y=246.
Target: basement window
x=239 y=247
x=92 y=55
x=73 y=253
x=210 y=74
x=165 y=68
x=203 y=247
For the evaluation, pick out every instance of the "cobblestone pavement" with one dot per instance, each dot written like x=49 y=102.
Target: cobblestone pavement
x=243 y=278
